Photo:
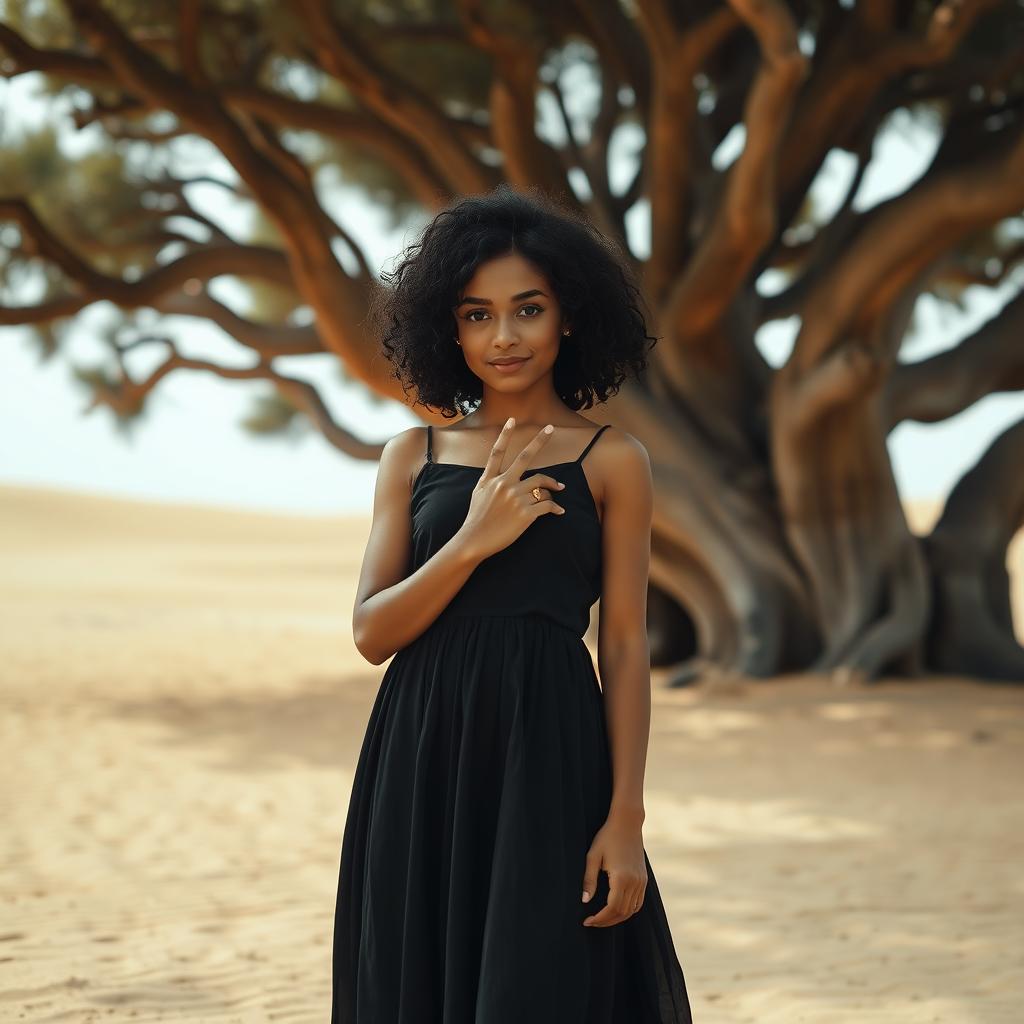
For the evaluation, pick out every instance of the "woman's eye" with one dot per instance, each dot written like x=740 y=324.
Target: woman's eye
x=471 y=315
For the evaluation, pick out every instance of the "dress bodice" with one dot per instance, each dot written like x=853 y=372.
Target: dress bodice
x=553 y=568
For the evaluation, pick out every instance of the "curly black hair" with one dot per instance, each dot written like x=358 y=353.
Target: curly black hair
x=594 y=284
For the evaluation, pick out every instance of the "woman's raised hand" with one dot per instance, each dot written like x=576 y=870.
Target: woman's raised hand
x=502 y=506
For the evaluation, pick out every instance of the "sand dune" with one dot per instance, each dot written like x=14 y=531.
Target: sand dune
x=181 y=712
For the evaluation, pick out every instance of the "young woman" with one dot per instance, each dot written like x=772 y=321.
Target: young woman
x=492 y=865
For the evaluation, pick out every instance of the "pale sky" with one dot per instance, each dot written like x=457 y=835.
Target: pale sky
x=190 y=447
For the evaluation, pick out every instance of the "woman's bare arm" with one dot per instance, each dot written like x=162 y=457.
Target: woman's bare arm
x=624 y=663
x=623 y=653
x=392 y=609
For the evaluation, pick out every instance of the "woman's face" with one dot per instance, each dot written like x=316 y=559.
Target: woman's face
x=508 y=310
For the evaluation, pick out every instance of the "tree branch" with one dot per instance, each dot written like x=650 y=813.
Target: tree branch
x=397 y=103
x=528 y=159
x=676 y=56
x=340 y=301
x=817 y=255
x=901 y=239
x=126 y=396
x=23 y=57
x=202 y=264
x=744 y=221
x=429 y=187
x=989 y=361
x=268 y=340
x=619 y=44
x=190 y=30
x=392 y=148
x=850 y=71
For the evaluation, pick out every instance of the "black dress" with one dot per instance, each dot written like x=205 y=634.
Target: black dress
x=483 y=776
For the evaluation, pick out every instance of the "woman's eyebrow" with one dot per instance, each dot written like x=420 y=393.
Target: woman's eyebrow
x=487 y=302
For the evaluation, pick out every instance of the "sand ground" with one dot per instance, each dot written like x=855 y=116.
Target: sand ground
x=181 y=708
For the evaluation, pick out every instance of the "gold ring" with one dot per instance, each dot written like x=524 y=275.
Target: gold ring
x=536 y=493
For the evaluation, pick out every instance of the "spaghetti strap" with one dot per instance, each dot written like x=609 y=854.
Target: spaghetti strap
x=430 y=457
x=590 y=444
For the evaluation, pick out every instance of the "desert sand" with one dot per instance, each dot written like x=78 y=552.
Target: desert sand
x=182 y=707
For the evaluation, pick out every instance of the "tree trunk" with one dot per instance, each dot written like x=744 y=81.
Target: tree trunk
x=846 y=524
x=971 y=630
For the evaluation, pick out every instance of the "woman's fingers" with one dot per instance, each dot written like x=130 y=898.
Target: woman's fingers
x=542 y=508
x=493 y=463
x=623 y=902
x=520 y=462
x=591 y=867
x=544 y=485
x=544 y=481
x=606 y=916
x=614 y=910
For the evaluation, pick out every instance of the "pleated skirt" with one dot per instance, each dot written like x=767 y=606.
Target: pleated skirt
x=483 y=776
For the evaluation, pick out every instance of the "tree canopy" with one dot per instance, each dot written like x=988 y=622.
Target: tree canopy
x=779 y=539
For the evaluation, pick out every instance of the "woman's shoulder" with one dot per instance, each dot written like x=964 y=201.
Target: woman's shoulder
x=406 y=441
x=620 y=446
x=620 y=463
x=404 y=453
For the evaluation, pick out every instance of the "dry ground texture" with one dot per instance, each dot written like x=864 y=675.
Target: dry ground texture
x=181 y=712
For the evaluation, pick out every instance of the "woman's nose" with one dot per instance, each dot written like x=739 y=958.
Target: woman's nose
x=505 y=328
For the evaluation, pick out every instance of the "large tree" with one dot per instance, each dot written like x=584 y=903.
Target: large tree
x=779 y=542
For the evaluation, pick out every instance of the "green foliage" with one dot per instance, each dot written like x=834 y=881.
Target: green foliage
x=41 y=22
x=96 y=202
x=273 y=415
x=267 y=301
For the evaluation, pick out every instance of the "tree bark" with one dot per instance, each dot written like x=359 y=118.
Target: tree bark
x=971 y=630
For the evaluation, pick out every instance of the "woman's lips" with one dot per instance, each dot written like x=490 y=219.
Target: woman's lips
x=510 y=367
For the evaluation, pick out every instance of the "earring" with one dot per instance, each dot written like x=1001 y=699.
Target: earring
x=567 y=332
x=457 y=342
